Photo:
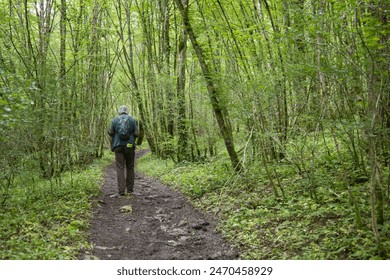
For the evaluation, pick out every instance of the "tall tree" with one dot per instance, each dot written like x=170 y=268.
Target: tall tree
x=210 y=77
x=181 y=81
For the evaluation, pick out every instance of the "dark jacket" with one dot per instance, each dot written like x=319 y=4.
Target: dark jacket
x=112 y=131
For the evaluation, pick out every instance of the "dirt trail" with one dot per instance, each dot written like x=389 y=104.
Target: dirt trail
x=159 y=224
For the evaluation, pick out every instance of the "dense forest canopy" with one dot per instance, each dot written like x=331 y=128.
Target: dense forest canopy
x=303 y=83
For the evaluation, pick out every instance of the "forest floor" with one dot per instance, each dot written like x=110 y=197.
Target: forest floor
x=155 y=223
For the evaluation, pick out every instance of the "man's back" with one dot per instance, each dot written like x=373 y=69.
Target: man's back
x=114 y=131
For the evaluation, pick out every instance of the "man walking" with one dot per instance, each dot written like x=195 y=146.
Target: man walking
x=123 y=132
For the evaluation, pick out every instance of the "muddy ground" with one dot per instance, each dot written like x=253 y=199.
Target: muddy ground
x=156 y=223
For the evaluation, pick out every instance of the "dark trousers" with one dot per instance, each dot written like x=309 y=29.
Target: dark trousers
x=124 y=158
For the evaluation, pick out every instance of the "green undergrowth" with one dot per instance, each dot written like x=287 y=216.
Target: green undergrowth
x=49 y=219
x=285 y=221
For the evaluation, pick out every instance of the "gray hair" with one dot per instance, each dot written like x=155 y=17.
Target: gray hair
x=123 y=110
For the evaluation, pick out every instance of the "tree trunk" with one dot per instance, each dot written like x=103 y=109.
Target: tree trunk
x=182 y=153
x=218 y=108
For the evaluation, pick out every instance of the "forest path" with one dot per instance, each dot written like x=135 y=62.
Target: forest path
x=159 y=224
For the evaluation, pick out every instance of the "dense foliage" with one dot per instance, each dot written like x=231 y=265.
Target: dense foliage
x=294 y=92
x=49 y=219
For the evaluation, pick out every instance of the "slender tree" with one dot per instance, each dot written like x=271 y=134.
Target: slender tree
x=219 y=111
